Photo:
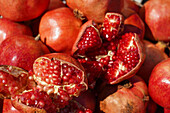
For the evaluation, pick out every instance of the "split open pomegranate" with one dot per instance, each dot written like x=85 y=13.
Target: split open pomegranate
x=116 y=55
x=12 y=80
x=59 y=75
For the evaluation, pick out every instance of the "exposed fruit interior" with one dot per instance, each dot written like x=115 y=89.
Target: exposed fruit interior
x=37 y=99
x=111 y=25
x=60 y=74
x=90 y=40
x=121 y=60
x=12 y=80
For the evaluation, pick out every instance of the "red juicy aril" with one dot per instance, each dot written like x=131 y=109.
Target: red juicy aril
x=60 y=75
x=21 y=51
x=59 y=28
x=22 y=10
x=117 y=58
x=12 y=80
x=34 y=101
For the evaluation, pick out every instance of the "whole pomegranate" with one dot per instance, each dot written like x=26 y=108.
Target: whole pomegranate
x=156 y=17
x=166 y=110
x=153 y=56
x=60 y=75
x=129 y=96
x=21 y=51
x=94 y=9
x=159 y=84
x=117 y=56
x=9 y=28
x=59 y=28
x=22 y=10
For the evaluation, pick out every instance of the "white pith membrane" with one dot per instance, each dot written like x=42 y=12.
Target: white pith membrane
x=53 y=88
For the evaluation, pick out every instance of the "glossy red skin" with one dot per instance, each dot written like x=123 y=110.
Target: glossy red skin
x=8 y=108
x=59 y=28
x=159 y=84
x=22 y=10
x=153 y=56
x=157 y=17
x=135 y=20
x=21 y=51
x=9 y=28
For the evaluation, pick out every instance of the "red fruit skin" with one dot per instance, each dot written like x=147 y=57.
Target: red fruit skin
x=59 y=28
x=8 y=108
x=150 y=60
x=95 y=9
x=135 y=24
x=166 y=110
x=133 y=99
x=22 y=10
x=159 y=84
x=21 y=51
x=156 y=17
x=9 y=28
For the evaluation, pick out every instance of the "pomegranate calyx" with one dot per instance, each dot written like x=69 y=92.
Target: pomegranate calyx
x=79 y=14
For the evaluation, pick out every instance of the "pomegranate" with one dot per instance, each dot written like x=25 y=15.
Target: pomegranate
x=8 y=108
x=34 y=101
x=130 y=96
x=20 y=10
x=59 y=28
x=12 y=80
x=9 y=28
x=94 y=9
x=151 y=61
x=156 y=18
x=60 y=75
x=117 y=59
x=159 y=84
x=134 y=24
x=21 y=51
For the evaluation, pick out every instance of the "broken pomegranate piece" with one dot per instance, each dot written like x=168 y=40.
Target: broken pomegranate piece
x=34 y=101
x=112 y=25
x=12 y=80
x=60 y=75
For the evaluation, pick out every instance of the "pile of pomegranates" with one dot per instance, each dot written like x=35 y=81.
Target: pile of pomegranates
x=84 y=56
